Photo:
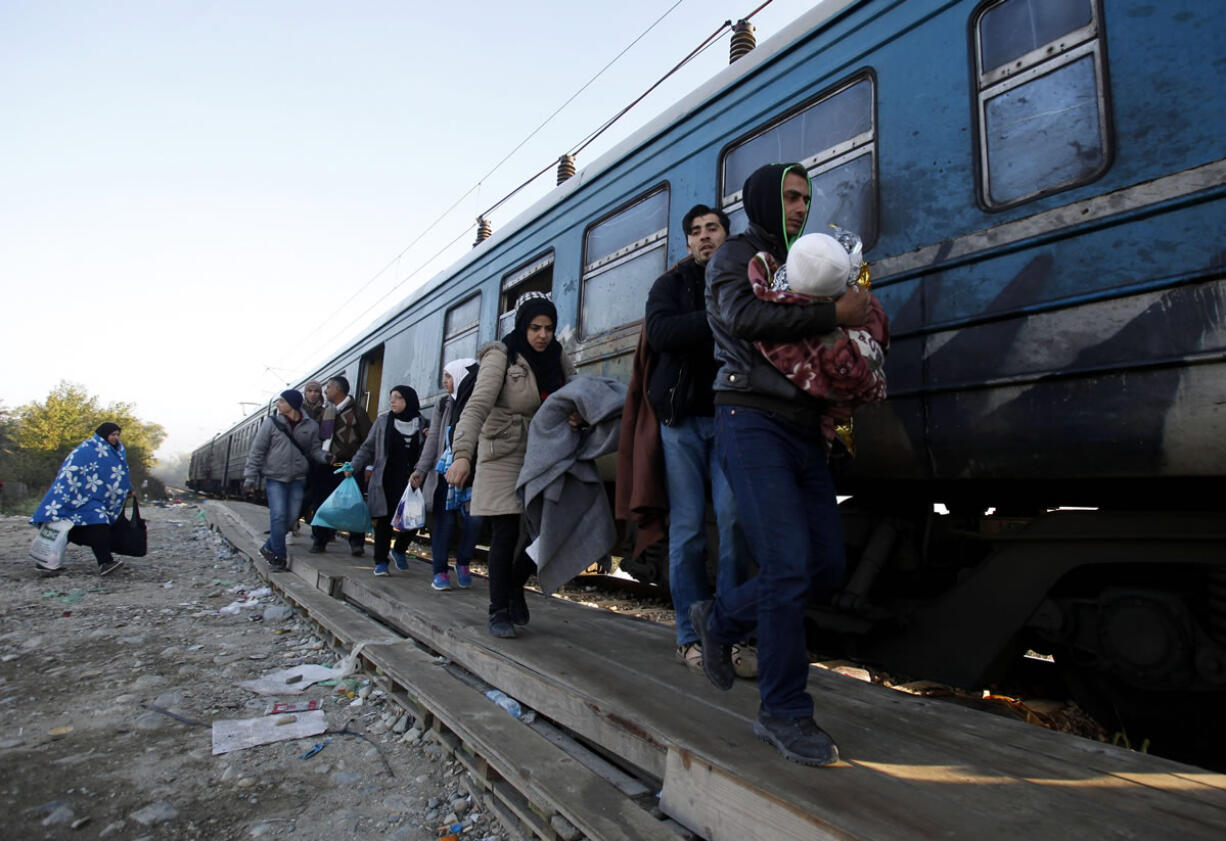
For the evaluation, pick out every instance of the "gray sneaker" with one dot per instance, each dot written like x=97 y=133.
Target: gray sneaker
x=717 y=658
x=798 y=739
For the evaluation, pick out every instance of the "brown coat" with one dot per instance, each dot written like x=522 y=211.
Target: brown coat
x=494 y=423
x=641 y=494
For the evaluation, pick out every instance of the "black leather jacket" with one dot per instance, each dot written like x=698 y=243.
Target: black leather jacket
x=738 y=319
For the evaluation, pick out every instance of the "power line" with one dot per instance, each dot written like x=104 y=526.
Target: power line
x=583 y=144
x=494 y=169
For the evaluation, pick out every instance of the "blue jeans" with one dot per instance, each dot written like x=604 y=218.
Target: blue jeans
x=440 y=531
x=785 y=495
x=690 y=465
x=283 y=498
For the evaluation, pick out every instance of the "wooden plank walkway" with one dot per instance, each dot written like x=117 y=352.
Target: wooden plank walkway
x=912 y=767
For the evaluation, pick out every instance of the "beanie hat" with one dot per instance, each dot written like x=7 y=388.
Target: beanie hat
x=293 y=397
x=819 y=265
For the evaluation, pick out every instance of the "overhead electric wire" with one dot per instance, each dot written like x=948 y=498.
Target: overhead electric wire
x=583 y=144
x=494 y=169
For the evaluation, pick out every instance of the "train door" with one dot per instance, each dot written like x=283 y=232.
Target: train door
x=370 y=380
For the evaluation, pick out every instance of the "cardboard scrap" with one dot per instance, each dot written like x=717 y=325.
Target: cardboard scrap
x=282 y=707
x=241 y=733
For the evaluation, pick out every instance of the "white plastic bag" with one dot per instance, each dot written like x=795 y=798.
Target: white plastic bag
x=411 y=510
x=48 y=547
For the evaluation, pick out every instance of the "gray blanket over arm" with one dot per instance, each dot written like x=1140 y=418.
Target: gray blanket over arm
x=566 y=511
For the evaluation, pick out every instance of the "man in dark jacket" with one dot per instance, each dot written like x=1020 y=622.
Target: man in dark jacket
x=769 y=441
x=680 y=393
x=343 y=429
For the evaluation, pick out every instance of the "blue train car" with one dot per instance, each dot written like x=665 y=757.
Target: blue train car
x=1041 y=189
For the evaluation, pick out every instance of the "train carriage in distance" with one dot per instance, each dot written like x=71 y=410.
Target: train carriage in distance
x=1041 y=189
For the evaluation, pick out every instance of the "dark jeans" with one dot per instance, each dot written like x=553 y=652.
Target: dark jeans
x=787 y=507
x=283 y=498
x=440 y=531
x=321 y=535
x=508 y=571
x=384 y=539
x=96 y=537
x=690 y=464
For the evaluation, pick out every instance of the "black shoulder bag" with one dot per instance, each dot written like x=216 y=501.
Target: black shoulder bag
x=129 y=537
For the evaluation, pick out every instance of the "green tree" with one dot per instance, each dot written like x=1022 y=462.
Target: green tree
x=45 y=433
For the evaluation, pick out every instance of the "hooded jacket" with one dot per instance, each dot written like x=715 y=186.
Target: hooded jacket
x=738 y=318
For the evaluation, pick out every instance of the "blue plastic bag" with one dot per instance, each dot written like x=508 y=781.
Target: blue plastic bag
x=345 y=509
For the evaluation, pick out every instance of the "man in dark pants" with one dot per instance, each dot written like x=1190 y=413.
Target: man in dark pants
x=768 y=436
x=681 y=396
x=344 y=428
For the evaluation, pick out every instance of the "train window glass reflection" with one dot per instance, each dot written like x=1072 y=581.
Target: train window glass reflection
x=623 y=255
x=835 y=138
x=1007 y=31
x=460 y=332
x=1042 y=101
x=536 y=276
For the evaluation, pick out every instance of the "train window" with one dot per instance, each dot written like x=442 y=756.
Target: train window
x=623 y=255
x=537 y=276
x=835 y=138
x=1041 y=98
x=460 y=332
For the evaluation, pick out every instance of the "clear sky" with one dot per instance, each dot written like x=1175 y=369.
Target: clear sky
x=191 y=192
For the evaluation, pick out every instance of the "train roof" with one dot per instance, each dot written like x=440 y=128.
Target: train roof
x=780 y=42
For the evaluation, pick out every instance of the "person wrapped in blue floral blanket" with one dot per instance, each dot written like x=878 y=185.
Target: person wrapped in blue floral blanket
x=89 y=491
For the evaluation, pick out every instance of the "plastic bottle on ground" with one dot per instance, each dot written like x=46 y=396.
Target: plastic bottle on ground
x=505 y=701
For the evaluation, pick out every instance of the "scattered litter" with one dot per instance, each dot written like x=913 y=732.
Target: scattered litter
x=59 y=732
x=300 y=707
x=277 y=683
x=316 y=749
x=184 y=719
x=70 y=597
x=239 y=734
x=505 y=701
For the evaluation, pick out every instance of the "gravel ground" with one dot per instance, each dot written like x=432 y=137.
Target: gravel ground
x=85 y=659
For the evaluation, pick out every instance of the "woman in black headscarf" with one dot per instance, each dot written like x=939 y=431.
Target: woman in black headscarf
x=387 y=457
x=514 y=378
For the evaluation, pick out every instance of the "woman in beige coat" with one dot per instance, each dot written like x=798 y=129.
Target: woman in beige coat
x=515 y=377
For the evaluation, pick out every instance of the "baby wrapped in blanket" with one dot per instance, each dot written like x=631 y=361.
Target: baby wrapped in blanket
x=846 y=366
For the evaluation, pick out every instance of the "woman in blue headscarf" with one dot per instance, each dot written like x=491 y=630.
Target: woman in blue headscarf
x=90 y=490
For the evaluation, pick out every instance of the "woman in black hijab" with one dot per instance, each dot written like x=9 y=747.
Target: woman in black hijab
x=387 y=458
x=540 y=350
x=514 y=378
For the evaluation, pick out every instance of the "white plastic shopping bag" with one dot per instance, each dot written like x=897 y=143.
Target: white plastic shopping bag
x=410 y=511
x=48 y=547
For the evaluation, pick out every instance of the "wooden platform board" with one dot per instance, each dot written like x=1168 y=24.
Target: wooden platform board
x=911 y=767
